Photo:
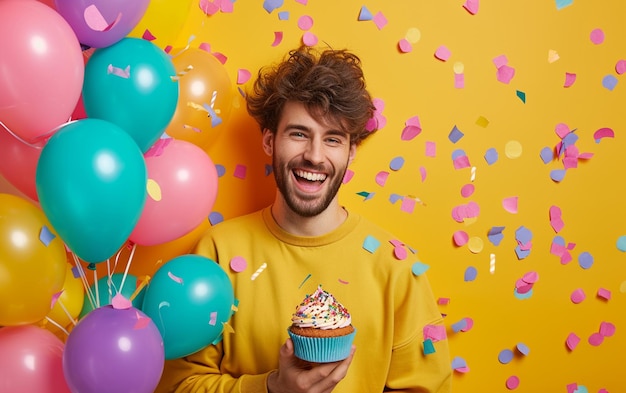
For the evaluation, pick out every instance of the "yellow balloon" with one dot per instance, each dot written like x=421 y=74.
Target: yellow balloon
x=163 y=20
x=32 y=262
x=71 y=299
x=205 y=97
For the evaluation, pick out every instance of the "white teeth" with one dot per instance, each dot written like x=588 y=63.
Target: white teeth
x=311 y=176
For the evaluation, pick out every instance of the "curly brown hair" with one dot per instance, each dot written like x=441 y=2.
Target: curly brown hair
x=330 y=83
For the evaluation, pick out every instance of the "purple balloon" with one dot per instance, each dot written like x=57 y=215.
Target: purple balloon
x=114 y=350
x=101 y=23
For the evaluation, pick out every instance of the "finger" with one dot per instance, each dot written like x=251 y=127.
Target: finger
x=331 y=374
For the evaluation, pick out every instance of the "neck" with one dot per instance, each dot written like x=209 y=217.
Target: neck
x=318 y=225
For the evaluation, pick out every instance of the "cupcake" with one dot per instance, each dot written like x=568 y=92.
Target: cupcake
x=321 y=329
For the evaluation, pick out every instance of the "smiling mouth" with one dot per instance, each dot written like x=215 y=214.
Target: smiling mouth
x=303 y=175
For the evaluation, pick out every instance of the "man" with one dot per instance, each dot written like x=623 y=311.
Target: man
x=313 y=109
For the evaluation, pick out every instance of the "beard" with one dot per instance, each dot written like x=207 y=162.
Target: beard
x=306 y=205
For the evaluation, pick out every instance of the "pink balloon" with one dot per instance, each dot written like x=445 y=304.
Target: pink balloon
x=19 y=163
x=31 y=361
x=42 y=69
x=182 y=188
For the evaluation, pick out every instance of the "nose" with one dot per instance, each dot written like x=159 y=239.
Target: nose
x=314 y=152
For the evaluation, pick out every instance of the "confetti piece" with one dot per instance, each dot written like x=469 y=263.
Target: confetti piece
x=260 y=270
x=500 y=61
x=46 y=236
x=560 y=4
x=278 y=38
x=459 y=364
x=572 y=341
x=505 y=74
x=512 y=382
x=380 y=20
x=609 y=82
x=473 y=174
x=505 y=356
x=371 y=244
x=430 y=149
x=413 y=35
x=585 y=260
x=521 y=95
x=396 y=164
x=419 y=268
x=208 y=7
x=552 y=56
x=513 y=149
x=434 y=332
x=119 y=302
x=455 y=135
x=96 y=21
x=462 y=212
x=213 y=318
x=365 y=14
x=240 y=171
x=495 y=235
x=523 y=349
x=510 y=204
x=305 y=22
x=597 y=36
x=475 y=244
x=604 y=293
x=467 y=190
x=620 y=67
x=621 y=243
x=491 y=156
x=492 y=263
x=428 y=347
x=148 y=36
x=153 y=189
x=603 y=133
x=471 y=6
x=411 y=129
x=305 y=280
x=470 y=274
x=122 y=73
x=459 y=81
x=607 y=329
x=423 y=173
x=346 y=178
x=442 y=301
x=243 y=76
x=174 y=278
x=400 y=252
x=556 y=222
x=442 y=53
x=578 y=296
x=238 y=264
x=460 y=238
x=595 y=339
x=381 y=178
x=557 y=175
x=458 y=67
x=408 y=205
x=570 y=78
x=459 y=325
x=271 y=5
x=405 y=46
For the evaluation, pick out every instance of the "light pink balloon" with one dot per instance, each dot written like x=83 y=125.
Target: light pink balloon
x=31 y=361
x=19 y=163
x=42 y=68
x=182 y=188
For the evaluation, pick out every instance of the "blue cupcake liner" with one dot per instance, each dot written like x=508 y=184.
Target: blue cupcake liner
x=322 y=349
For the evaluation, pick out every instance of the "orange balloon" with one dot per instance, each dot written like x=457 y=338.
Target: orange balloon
x=70 y=300
x=32 y=262
x=205 y=97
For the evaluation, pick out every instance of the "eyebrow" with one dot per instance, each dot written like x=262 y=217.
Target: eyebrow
x=331 y=131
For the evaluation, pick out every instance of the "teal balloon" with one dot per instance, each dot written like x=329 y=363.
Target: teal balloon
x=105 y=292
x=189 y=299
x=130 y=84
x=91 y=183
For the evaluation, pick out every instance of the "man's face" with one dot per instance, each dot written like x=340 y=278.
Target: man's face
x=309 y=158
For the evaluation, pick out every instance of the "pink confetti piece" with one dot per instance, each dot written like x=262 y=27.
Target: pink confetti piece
x=348 y=176
x=380 y=20
x=95 y=21
x=148 y=36
x=240 y=171
x=469 y=324
x=620 y=67
x=243 y=76
x=381 y=178
x=572 y=341
x=158 y=148
x=555 y=219
x=405 y=46
x=408 y=205
x=607 y=329
x=512 y=382
x=462 y=212
x=430 y=149
x=344 y=282
x=510 y=204
x=142 y=321
x=500 y=61
x=459 y=81
x=278 y=38
x=443 y=53
x=409 y=132
x=467 y=190
x=603 y=133
x=471 y=6
x=309 y=39
x=119 y=302
x=209 y=7
x=400 y=253
x=578 y=296
x=442 y=301
x=54 y=298
x=434 y=332
x=522 y=286
x=531 y=277
x=604 y=294
x=460 y=238
x=175 y=278
x=238 y=264
x=461 y=162
x=122 y=73
x=213 y=318
x=595 y=339
x=423 y=173
x=505 y=73
x=305 y=22
x=570 y=78
x=597 y=36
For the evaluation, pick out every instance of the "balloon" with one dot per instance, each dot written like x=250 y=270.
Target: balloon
x=189 y=298
x=32 y=262
x=70 y=300
x=42 y=69
x=104 y=294
x=182 y=187
x=19 y=163
x=101 y=23
x=205 y=98
x=91 y=183
x=113 y=350
x=162 y=21
x=31 y=361
x=130 y=84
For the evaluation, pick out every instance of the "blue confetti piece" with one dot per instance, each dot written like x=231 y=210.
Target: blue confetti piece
x=429 y=347
x=523 y=349
x=491 y=156
x=460 y=325
x=268 y=169
x=371 y=244
x=458 y=153
x=458 y=362
x=585 y=260
x=283 y=15
x=547 y=155
x=523 y=235
x=271 y=5
x=365 y=14
x=215 y=218
x=393 y=198
x=559 y=240
x=621 y=243
x=560 y=4
x=581 y=389
x=419 y=268
x=505 y=356
x=557 y=175
x=523 y=296
x=609 y=82
x=470 y=274
x=569 y=140
x=396 y=164
x=221 y=170
x=455 y=135
x=521 y=254
x=75 y=272
x=496 y=237
x=46 y=236
x=521 y=95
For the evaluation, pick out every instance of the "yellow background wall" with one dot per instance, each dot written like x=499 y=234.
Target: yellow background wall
x=418 y=84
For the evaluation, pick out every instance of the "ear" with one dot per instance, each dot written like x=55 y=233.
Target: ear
x=268 y=142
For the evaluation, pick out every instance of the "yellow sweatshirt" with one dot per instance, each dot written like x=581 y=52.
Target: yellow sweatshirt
x=389 y=305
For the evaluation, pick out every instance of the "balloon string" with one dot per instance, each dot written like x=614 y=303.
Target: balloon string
x=40 y=141
x=95 y=283
x=69 y=316
x=83 y=277
x=144 y=281
x=130 y=259
x=57 y=325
